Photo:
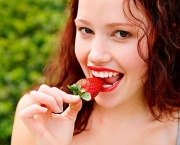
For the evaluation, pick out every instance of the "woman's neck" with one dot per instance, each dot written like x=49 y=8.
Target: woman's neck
x=124 y=113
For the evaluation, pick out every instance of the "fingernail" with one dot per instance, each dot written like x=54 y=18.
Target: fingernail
x=61 y=109
x=44 y=109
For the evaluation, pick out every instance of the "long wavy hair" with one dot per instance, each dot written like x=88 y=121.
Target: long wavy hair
x=162 y=88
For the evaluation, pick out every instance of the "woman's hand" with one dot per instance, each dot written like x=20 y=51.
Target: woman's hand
x=45 y=119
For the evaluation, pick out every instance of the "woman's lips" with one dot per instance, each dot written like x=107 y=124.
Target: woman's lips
x=110 y=77
x=101 y=69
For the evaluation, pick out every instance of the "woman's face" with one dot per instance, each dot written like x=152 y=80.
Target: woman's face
x=106 y=47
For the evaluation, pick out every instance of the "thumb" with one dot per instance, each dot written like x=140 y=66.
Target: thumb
x=73 y=109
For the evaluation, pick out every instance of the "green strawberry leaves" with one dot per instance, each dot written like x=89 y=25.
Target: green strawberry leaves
x=77 y=90
x=86 y=96
x=87 y=88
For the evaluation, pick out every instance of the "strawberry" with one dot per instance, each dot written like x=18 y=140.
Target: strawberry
x=87 y=88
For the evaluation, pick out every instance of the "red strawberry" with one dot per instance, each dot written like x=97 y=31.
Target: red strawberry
x=87 y=88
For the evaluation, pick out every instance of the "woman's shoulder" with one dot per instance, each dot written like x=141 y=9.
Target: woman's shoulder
x=20 y=133
x=25 y=100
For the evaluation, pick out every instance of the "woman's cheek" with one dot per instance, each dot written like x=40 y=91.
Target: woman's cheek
x=81 y=53
x=78 y=50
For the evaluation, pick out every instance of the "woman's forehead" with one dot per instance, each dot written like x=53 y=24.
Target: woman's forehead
x=111 y=10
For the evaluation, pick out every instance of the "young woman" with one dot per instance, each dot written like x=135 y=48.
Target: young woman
x=136 y=40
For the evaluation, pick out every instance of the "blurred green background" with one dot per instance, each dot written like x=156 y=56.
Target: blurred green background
x=27 y=34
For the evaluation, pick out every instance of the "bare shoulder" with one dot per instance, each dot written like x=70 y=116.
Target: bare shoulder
x=20 y=133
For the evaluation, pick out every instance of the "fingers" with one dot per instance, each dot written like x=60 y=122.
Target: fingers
x=50 y=91
x=38 y=116
x=71 y=113
x=47 y=100
x=29 y=111
x=27 y=115
x=59 y=96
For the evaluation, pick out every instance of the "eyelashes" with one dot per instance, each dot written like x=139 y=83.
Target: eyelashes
x=119 y=34
x=85 y=30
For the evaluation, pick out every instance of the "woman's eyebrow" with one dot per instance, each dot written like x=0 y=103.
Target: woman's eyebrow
x=82 y=21
x=110 y=25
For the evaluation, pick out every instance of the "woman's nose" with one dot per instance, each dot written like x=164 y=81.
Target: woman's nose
x=99 y=52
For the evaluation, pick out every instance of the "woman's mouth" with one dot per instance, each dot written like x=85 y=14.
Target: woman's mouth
x=111 y=79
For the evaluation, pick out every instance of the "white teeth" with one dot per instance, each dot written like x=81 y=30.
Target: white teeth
x=106 y=86
x=101 y=75
x=110 y=74
x=95 y=73
x=104 y=74
x=109 y=85
x=114 y=74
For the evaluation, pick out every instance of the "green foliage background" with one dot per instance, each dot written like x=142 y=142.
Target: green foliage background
x=27 y=34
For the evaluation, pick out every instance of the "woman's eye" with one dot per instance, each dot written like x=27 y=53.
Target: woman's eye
x=86 y=30
x=121 y=34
